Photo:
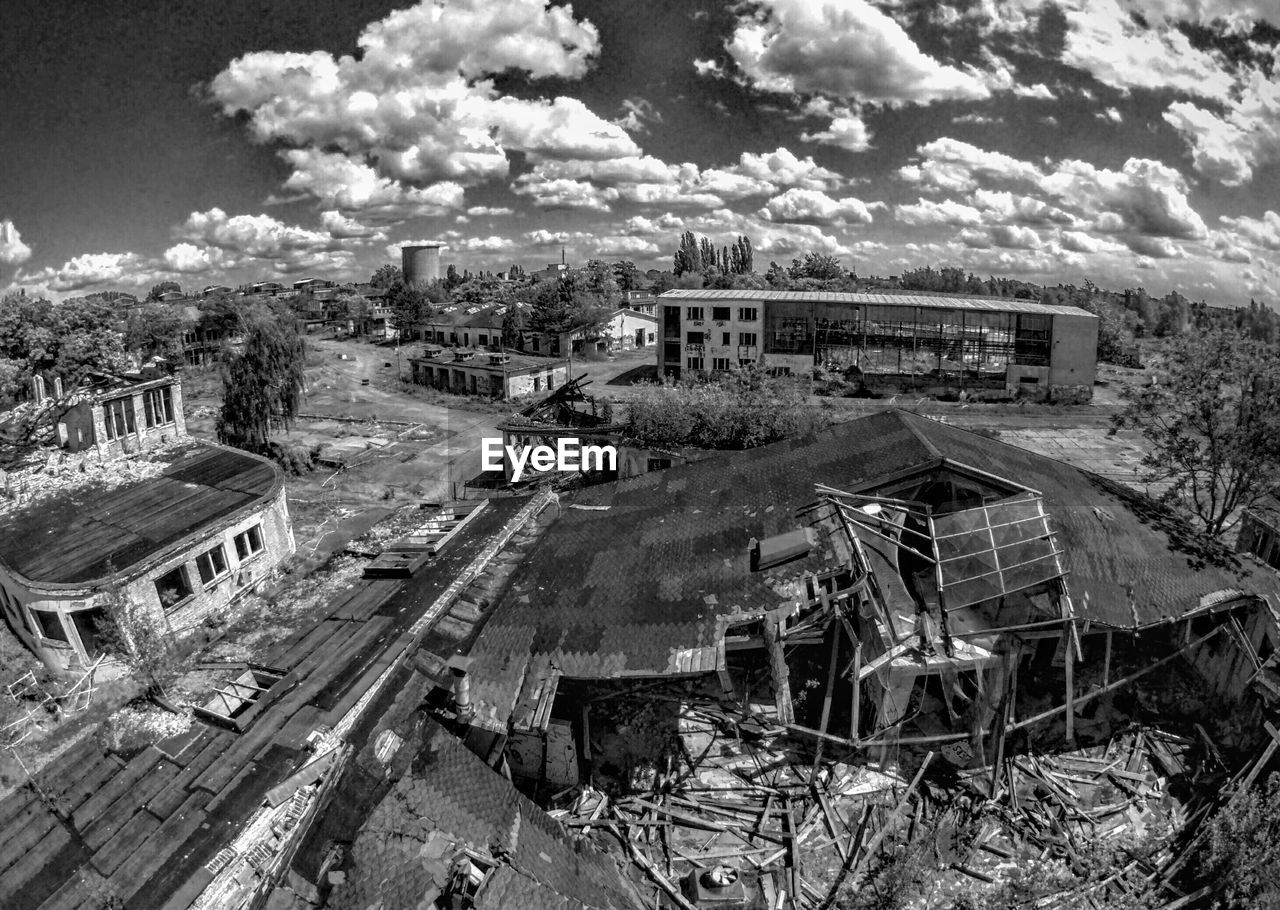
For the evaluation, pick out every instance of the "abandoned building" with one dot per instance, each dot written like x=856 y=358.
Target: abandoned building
x=954 y=563
x=986 y=347
x=1260 y=531
x=122 y=506
x=495 y=375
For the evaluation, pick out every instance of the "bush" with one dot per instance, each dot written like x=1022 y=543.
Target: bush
x=1243 y=855
x=738 y=410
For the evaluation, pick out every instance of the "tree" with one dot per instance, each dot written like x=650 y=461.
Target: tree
x=818 y=266
x=1212 y=419
x=451 y=277
x=163 y=288
x=139 y=636
x=386 y=276
x=413 y=303
x=626 y=275
x=262 y=385
x=1243 y=855
x=688 y=258
x=155 y=328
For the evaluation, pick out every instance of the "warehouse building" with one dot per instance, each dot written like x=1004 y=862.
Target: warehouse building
x=932 y=344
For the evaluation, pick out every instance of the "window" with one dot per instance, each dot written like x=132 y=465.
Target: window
x=211 y=564
x=118 y=416
x=695 y=363
x=747 y=339
x=746 y=362
x=693 y=338
x=248 y=542
x=720 y=363
x=50 y=625
x=484 y=341
x=721 y=313
x=158 y=405
x=537 y=384
x=748 y=314
x=173 y=587
x=652 y=337
x=693 y=313
x=724 y=338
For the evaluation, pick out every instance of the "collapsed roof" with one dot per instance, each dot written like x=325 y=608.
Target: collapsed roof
x=642 y=580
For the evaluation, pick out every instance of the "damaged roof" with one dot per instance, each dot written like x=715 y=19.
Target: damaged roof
x=77 y=535
x=449 y=801
x=639 y=587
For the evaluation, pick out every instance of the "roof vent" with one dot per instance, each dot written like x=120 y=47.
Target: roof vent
x=463 y=355
x=774 y=551
x=499 y=358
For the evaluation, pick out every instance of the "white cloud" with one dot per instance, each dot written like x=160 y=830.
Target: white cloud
x=1015 y=237
x=87 y=271
x=1081 y=242
x=1262 y=232
x=477 y=211
x=846 y=130
x=12 y=250
x=1110 y=114
x=815 y=207
x=564 y=193
x=1009 y=207
x=187 y=258
x=1103 y=39
x=1228 y=146
x=418 y=107
x=340 y=227
x=952 y=165
x=948 y=211
x=843 y=49
x=1147 y=196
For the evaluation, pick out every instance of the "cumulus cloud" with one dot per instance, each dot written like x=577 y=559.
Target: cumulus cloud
x=842 y=49
x=1148 y=197
x=190 y=259
x=12 y=250
x=87 y=271
x=418 y=109
x=1228 y=145
x=477 y=211
x=564 y=193
x=816 y=207
x=947 y=164
x=1119 y=51
x=928 y=212
x=845 y=127
x=1262 y=232
x=341 y=227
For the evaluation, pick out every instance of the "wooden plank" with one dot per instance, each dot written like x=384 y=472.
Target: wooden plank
x=74 y=893
x=155 y=852
x=125 y=843
x=119 y=785
x=34 y=859
x=167 y=800
x=27 y=830
x=118 y=814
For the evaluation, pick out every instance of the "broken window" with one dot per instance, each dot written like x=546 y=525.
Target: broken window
x=50 y=625
x=211 y=564
x=158 y=406
x=173 y=587
x=693 y=313
x=747 y=314
x=248 y=542
x=118 y=417
x=720 y=313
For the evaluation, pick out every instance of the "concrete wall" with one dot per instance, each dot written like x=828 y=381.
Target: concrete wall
x=456 y=376
x=1073 y=359
x=242 y=576
x=714 y=347
x=623 y=327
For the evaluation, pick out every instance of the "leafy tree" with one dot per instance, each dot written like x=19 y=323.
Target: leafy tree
x=688 y=257
x=741 y=257
x=139 y=636
x=737 y=410
x=1212 y=420
x=451 y=277
x=626 y=275
x=818 y=266
x=67 y=339
x=262 y=385
x=163 y=288
x=565 y=303
x=513 y=323
x=412 y=303
x=1243 y=854
x=386 y=276
x=156 y=329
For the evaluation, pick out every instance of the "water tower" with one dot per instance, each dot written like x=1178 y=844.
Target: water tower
x=421 y=263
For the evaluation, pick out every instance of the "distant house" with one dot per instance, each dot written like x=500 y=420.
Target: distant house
x=464 y=326
x=128 y=506
x=271 y=288
x=170 y=296
x=215 y=289
x=627 y=329
x=496 y=375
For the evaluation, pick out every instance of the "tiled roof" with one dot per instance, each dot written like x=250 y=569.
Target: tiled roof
x=451 y=800
x=638 y=588
x=935 y=301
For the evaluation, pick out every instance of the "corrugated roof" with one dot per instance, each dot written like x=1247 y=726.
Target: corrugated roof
x=451 y=800
x=932 y=301
x=72 y=537
x=638 y=588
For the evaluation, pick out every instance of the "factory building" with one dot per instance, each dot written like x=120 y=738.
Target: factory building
x=931 y=344
x=420 y=263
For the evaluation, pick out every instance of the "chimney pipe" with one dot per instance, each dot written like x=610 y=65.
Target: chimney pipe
x=460 y=666
x=57 y=386
x=37 y=388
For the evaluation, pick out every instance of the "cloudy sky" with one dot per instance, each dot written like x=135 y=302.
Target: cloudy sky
x=1132 y=142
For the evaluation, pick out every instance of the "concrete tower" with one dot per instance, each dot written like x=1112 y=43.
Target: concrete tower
x=421 y=263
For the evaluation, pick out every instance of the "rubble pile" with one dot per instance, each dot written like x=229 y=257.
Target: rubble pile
x=50 y=471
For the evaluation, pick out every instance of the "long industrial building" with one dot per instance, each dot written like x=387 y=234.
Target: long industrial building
x=909 y=342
